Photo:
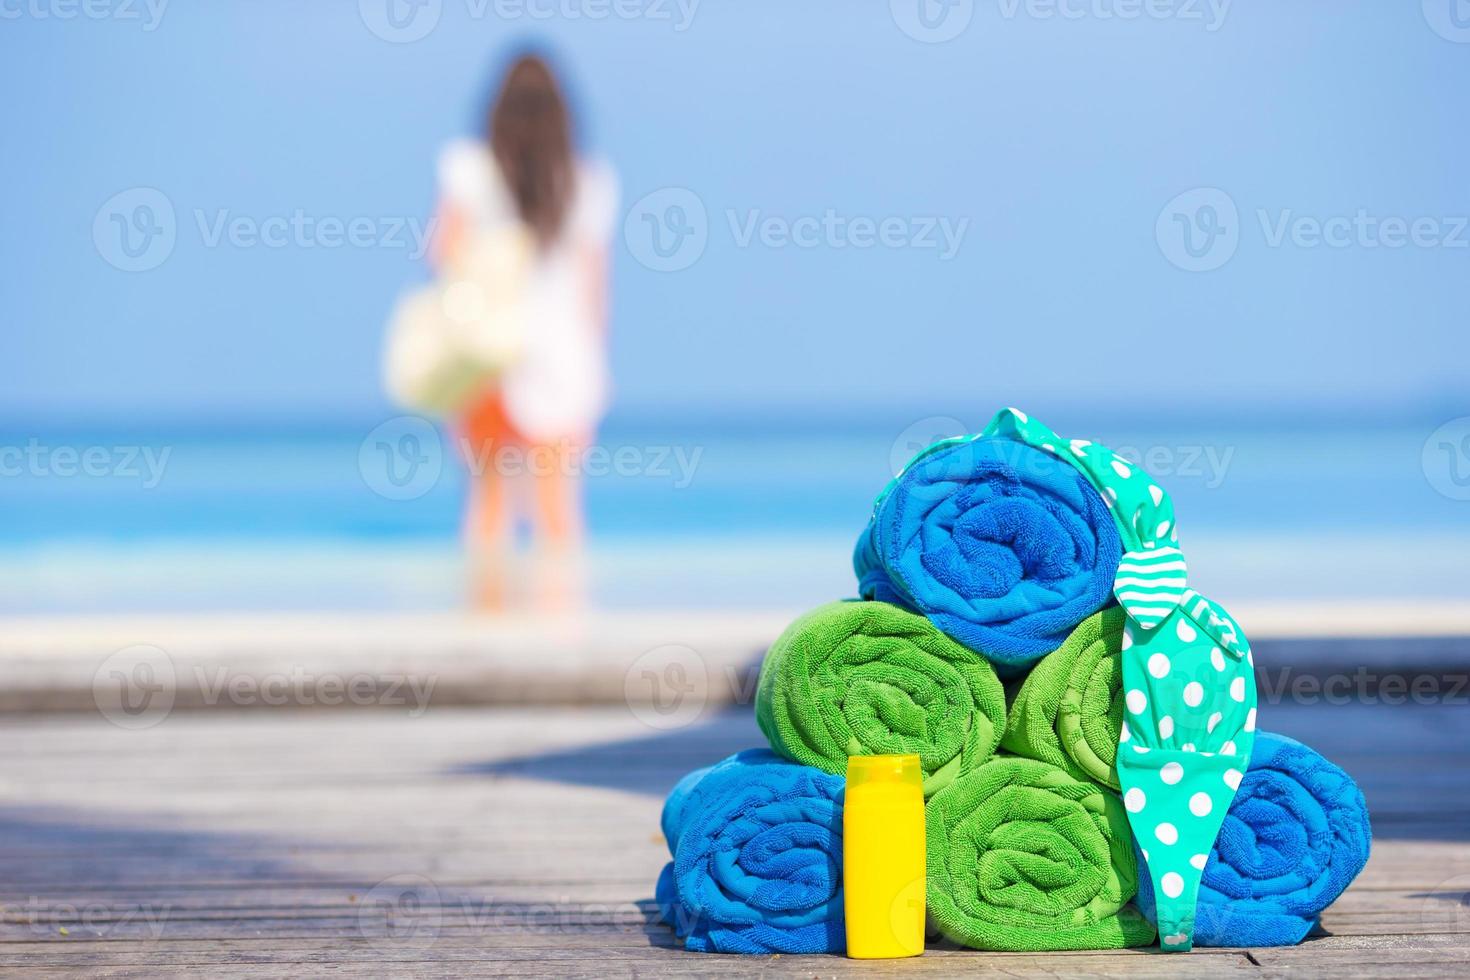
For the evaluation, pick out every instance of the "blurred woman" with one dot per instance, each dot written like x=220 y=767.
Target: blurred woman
x=524 y=436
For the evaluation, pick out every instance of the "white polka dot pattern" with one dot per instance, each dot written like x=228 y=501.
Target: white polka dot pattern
x=1187 y=677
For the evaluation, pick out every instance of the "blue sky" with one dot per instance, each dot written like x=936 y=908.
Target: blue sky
x=1254 y=208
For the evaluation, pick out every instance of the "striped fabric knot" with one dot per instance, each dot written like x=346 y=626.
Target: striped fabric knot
x=1151 y=584
x=1216 y=623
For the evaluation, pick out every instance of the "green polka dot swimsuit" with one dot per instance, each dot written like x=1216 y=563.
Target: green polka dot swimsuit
x=1188 y=682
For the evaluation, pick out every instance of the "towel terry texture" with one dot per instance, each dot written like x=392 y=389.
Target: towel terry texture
x=1024 y=857
x=1123 y=795
x=757 y=848
x=1003 y=546
x=1069 y=710
x=1295 y=837
x=869 y=678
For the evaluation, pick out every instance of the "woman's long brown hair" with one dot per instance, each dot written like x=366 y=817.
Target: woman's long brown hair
x=530 y=136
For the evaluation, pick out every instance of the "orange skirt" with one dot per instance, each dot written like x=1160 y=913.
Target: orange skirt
x=486 y=424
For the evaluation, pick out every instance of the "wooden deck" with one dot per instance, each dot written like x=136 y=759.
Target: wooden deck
x=525 y=841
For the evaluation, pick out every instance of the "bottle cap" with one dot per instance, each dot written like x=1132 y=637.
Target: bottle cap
x=901 y=769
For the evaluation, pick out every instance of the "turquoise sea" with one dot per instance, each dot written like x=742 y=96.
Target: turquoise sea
x=367 y=516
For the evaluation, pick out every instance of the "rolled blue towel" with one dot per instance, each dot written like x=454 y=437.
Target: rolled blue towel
x=1295 y=837
x=1004 y=547
x=757 y=848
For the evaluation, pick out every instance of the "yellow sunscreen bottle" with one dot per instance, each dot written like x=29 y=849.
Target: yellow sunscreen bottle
x=883 y=856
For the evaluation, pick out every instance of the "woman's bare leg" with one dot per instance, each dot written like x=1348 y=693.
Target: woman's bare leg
x=488 y=540
x=558 y=487
x=560 y=526
x=487 y=522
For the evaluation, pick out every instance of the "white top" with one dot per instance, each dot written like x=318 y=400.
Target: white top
x=559 y=386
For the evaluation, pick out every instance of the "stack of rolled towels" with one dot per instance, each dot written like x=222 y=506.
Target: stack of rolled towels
x=986 y=641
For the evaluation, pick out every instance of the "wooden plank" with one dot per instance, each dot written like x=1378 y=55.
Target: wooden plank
x=679 y=965
x=250 y=844
x=571 y=959
x=1397 y=959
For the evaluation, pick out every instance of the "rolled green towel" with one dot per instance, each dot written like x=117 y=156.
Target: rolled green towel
x=869 y=678
x=1069 y=710
x=1023 y=857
